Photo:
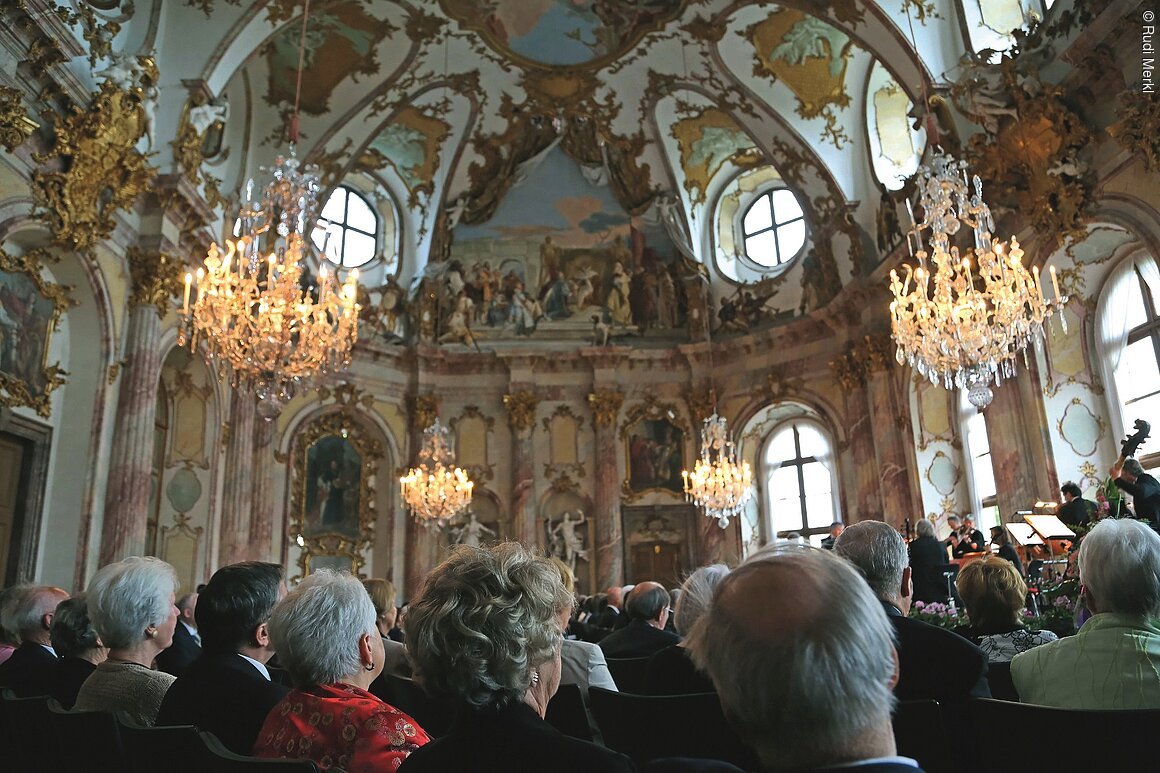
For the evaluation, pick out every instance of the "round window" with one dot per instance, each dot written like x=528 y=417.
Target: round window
x=774 y=228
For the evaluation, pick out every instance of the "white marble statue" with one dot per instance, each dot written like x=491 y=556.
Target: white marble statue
x=567 y=540
x=471 y=533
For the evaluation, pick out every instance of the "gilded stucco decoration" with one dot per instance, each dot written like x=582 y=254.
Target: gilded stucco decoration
x=473 y=430
x=562 y=33
x=605 y=405
x=1138 y=127
x=423 y=410
x=1032 y=154
x=943 y=474
x=96 y=169
x=410 y=144
x=521 y=409
x=15 y=125
x=810 y=57
x=332 y=497
x=35 y=305
x=708 y=140
x=156 y=277
x=200 y=135
x=563 y=429
x=346 y=394
x=1080 y=428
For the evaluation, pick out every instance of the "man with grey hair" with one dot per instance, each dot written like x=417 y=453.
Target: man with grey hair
x=30 y=669
x=1129 y=476
x=648 y=610
x=935 y=664
x=1113 y=662
x=803 y=660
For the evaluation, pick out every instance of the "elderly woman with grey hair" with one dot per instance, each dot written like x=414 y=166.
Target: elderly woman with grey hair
x=131 y=605
x=1113 y=662
x=670 y=671
x=80 y=649
x=486 y=631
x=325 y=635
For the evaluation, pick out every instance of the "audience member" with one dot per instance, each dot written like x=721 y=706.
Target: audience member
x=671 y=670
x=1113 y=662
x=647 y=608
x=836 y=529
x=993 y=592
x=131 y=604
x=928 y=561
x=1129 y=476
x=325 y=634
x=611 y=611
x=486 y=630
x=9 y=636
x=31 y=668
x=1002 y=539
x=1075 y=510
x=80 y=649
x=581 y=663
x=396 y=633
x=934 y=664
x=803 y=660
x=186 y=641
x=227 y=691
x=382 y=593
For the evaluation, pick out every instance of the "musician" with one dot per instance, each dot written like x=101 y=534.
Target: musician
x=1129 y=476
x=1075 y=510
x=969 y=539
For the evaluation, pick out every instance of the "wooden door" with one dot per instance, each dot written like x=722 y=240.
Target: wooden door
x=659 y=561
x=11 y=462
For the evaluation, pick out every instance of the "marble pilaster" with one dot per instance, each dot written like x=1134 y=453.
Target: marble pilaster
x=262 y=513
x=605 y=405
x=521 y=409
x=238 y=491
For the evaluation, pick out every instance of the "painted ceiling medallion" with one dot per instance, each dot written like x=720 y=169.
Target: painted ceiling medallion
x=562 y=33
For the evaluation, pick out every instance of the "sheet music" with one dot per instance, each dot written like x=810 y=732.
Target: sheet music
x=1049 y=527
x=1023 y=534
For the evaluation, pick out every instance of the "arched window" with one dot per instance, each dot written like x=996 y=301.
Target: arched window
x=981 y=470
x=347 y=231
x=774 y=228
x=1128 y=334
x=800 y=484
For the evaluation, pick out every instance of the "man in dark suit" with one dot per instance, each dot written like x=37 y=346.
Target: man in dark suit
x=186 y=645
x=934 y=664
x=32 y=666
x=777 y=624
x=227 y=691
x=647 y=608
x=968 y=539
x=1075 y=510
x=836 y=529
x=1145 y=490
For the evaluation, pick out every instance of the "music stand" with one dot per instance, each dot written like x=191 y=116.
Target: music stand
x=1049 y=528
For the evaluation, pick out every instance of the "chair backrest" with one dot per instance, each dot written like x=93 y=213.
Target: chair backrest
x=1001 y=683
x=27 y=731
x=87 y=740
x=568 y=713
x=920 y=732
x=628 y=673
x=221 y=760
x=180 y=746
x=434 y=715
x=1008 y=728
x=648 y=727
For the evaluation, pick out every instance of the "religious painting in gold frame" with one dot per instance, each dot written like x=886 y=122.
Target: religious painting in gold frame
x=30 y=311
x=333 y=492
x=654 y=449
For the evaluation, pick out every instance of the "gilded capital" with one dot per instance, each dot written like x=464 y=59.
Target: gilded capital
x=521 y=409
x=424 y=410
x=156 y=277
x=605 y=404
x=15 y=125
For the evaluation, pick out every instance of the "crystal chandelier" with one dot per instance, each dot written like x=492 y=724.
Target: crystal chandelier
x=436 y=490
x=251 y=305
x=954 y=325
x=718 y=484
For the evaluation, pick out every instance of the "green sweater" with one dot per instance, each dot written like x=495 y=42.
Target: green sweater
x=1112 y=663
x=128 y=687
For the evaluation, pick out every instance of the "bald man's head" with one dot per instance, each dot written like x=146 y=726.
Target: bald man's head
x=803 y=659
x=647 y=601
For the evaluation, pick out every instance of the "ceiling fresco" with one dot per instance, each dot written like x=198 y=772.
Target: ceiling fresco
x=562 y=138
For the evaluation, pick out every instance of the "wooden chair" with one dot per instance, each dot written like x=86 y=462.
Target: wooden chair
x=1001 y=683
x=628 y=673
x=433 y=715
x=1105 y=738
x=180 y=746
x=87 y=740
x=28 y=732
x=219 y=759
x=919 y=732
x=568 y=713
x=648 y=727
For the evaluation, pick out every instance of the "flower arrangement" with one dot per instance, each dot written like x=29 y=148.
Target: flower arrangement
x=1058 y=607
x=1109 y=500
x=935 y=613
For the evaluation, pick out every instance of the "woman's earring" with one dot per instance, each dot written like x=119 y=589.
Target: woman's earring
x=370 y=666
x=535 y=677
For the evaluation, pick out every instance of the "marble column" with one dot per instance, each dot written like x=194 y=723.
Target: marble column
x=521 y=409
x=262 y=513
x=605 y=405
x=886 y=388
x=131 y=464
x=421 y=542
x=850 y=372
x=238 y=490
x=1019 y=436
